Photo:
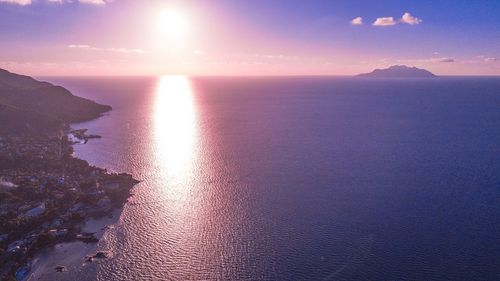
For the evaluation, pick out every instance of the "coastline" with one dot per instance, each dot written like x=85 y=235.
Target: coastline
x=73 y=209
x=76 y=257
x=72 y=255
x=50 y=199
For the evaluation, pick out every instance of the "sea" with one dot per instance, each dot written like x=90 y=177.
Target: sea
x=299 y=178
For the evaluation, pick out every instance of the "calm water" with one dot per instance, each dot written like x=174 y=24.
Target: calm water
x=301 y=178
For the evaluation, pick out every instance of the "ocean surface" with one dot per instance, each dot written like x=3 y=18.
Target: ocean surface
x=300 y=178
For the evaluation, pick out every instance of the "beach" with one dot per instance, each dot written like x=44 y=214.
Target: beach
x=72 y=255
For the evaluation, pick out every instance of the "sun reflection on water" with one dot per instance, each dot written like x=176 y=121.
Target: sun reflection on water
x=175 y=128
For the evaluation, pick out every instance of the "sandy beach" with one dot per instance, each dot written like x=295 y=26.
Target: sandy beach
x=72 y=255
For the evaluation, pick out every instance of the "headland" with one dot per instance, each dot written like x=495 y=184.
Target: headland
x=47 y=194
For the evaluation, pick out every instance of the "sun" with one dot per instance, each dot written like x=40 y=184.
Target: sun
x=172 y=24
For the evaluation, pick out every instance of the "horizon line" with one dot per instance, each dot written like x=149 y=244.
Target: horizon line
x=256 y=75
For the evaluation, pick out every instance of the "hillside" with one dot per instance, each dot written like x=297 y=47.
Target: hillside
x=29 y=106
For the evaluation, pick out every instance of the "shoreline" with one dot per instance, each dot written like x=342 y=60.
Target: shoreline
x=72 y=255
x=71 y=231
x=47 y=195
x=75 y=256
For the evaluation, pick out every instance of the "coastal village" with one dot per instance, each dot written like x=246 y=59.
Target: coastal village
x=46 y=194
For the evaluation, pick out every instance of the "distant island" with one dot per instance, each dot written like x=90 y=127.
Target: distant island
x=398 y=71
x=46 y=194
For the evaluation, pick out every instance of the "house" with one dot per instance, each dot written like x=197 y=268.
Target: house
x=35 y=212
x=6 y=186
x=16 y=246
x=58 y=233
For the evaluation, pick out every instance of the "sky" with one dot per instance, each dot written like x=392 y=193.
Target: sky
x=254 y=37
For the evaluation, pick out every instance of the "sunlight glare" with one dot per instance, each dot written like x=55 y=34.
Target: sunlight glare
x=175 y=126
x=172 y=24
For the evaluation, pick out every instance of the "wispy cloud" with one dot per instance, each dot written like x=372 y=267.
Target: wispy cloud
x=18 y=2
x=491 y=59
x=125 y=51
x=429 y=60
x=95 y=2
x=80 y=46
x=445 y=60
x=384 y=21
x=28 y=2
x=357 y=21
x=116 y=50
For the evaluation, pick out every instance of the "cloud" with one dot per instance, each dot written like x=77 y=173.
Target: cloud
x=198 y=52
x=491 y=59
x=429 y=60
x=18 y=2
x=444 y=60
x=29 y=2
x=384 y=21
x=388 y=21
x=79 y=46
x=125 y=51
x=116 y=50
x=95 y=2
x=357 y=21
x=409 y=19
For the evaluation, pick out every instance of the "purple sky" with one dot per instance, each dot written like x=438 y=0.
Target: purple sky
x=259 y=37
